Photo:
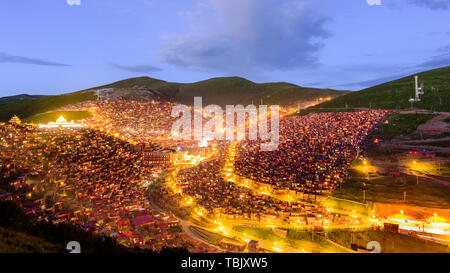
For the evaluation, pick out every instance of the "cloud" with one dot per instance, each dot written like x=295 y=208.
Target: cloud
x=319 y=83
x=444 y=49
x=5 y=58
x=436 y=61
x=137 y=68
x=73 y=2
x=442 y=58
x=238 y=36
x=373 y=82
x=432 y=4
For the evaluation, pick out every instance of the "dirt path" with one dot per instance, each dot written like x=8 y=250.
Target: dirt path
x=425 y=141
x=436 y=123
x=400 y=145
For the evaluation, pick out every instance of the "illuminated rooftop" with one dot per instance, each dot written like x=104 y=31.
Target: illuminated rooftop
x=61 y=122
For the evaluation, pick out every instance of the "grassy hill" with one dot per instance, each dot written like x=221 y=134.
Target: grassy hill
x=221 y=91
x=20 y=234
x=228 y=90
x=12 y=241
x=9 y=99
x=395 y=94
x=234 y=90
x=134 y=82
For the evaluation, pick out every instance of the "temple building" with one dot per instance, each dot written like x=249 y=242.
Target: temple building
x=15 y=119
x=61 y=122
x=157 y=157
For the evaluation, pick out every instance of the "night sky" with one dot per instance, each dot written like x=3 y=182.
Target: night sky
x=57 y=46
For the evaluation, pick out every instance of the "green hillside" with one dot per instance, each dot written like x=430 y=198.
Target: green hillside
x=16 y=227
x=395 y=94
x=9 y=99
x=234 y=90
x=12 y=241
x=134 y=82
x=27 y=108
x=221 y=91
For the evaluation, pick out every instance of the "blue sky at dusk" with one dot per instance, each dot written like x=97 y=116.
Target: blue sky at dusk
x=51 y=47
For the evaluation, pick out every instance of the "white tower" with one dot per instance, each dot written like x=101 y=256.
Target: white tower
x=419 y=90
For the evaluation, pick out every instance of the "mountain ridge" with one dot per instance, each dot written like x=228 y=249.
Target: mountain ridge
x=227 y=90
x=8 y=99
x=219 y=90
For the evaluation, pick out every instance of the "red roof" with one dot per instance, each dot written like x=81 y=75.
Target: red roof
x=164 y=226
x=143 y=220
